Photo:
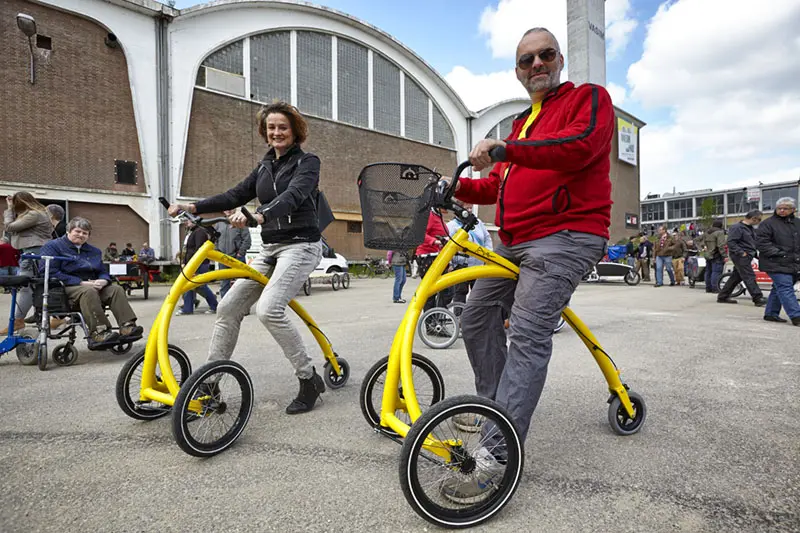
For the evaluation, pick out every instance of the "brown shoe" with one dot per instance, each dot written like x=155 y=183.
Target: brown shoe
x=56 y=323
x=131 y=330
x=19 y=323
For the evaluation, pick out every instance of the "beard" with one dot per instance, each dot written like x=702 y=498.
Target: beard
x=533 y=85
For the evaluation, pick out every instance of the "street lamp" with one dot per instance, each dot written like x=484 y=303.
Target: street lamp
x=27 y=25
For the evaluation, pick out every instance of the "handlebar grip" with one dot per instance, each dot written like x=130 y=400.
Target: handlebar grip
x=251 y=221
x=498 y=153
x=164 y=202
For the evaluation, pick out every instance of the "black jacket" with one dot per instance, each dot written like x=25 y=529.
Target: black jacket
x=778 y=240
x=194 y=241
x=741 y=238
x=647 y=247
x=287 y=190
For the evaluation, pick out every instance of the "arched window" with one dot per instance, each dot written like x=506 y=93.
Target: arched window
x=328 y=78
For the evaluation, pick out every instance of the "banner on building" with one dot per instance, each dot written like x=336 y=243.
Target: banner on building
x=628 y=136
x=631 y=221
x=753 y=194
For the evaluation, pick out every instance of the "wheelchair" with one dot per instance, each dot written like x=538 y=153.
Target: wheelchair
x=60 y=308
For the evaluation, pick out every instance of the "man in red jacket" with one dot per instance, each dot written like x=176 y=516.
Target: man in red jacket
x=553 y=196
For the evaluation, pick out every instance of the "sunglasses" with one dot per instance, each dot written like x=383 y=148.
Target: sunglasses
x=526 y=60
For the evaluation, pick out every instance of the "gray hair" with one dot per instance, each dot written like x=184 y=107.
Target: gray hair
x=56 y=212
x=755 y=213
x=786 y=200
x=543 y=30
x=81 y=223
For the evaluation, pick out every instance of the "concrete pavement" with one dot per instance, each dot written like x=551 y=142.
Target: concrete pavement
x=720 y=450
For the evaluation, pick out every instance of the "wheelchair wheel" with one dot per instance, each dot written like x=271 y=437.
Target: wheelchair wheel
x=438 y=328
x=331 y=378
x=428 y=385
x=41 y=355
x=335 y=282
x=225 y=392
x=561 y=324
x=121 y=349
x=26 y=353
x=65 y=354
x=621 y=423
x=632 y=278
x=129 y=383
x=307 y=287
x=345 y=280
x=473 y=484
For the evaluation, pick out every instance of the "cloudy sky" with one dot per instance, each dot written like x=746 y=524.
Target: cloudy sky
x=716 y=81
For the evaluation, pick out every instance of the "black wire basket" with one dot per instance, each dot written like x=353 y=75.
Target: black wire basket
x=395 y=204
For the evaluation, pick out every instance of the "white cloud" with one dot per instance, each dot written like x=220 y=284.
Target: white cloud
x=731 y=90
x=619 y=26
x=617 y=92
x=481 y=90
x=504 y=23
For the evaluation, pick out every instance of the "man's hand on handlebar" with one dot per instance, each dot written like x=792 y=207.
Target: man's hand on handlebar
x=479 y=156
x=238 y=220
x=175 y=209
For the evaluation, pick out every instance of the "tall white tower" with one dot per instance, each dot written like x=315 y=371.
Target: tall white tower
x=586 y=36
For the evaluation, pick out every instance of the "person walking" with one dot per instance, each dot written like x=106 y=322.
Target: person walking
x=778 y=242
x=195 y=237
x=233 y=242
x=398 y=261
x=742 y=249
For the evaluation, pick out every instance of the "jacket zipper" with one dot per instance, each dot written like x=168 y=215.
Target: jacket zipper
x=508 y=171
x=275 y=188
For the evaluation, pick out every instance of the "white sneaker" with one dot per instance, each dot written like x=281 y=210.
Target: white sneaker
x=467 y=422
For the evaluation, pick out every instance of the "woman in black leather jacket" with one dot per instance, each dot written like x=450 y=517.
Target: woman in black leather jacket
x=285 y=183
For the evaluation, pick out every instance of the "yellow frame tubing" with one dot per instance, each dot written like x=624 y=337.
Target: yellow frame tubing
x=156 y=349
x=399 y=367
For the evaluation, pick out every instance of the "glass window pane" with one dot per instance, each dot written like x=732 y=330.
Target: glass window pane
x=353 y=104
x=416 y=111
x=314 y=82
x=227 y=58
x=442 y=134
x=270 y=74
x=386 y=95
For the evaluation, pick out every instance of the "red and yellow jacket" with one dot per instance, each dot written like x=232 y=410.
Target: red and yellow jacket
x=558 y=174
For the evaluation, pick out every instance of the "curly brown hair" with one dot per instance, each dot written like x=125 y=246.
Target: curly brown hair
x=296 y=120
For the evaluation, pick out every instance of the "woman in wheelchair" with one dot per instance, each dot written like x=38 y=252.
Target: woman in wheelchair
x=88 y=286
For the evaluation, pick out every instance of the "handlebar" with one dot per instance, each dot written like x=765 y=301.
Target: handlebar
x=206 y=222
x=445 y=191
x=46 y=257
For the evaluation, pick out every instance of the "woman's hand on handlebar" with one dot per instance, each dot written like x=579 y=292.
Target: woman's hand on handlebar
x=449 y=180
x=479 y=156
x=175 y=209
x=238 y=220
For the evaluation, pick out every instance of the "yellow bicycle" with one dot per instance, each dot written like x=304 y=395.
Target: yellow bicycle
x=210 y=407
x=402 y=396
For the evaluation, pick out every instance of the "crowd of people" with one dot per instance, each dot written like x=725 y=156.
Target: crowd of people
x=773 y=242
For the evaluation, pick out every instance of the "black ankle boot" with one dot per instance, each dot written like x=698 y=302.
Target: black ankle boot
x=310 y=389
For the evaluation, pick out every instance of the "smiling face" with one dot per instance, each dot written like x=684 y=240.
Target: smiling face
x=279 y=132
x=539 y=62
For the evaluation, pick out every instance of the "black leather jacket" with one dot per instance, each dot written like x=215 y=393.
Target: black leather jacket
x=286 y=187
x=778 y=240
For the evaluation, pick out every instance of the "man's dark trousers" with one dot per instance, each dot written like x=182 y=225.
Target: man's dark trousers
x=742 y=272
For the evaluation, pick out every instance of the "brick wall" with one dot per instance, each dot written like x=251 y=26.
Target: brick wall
x=69 y=127
x=115 y=223
x=223 y=146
